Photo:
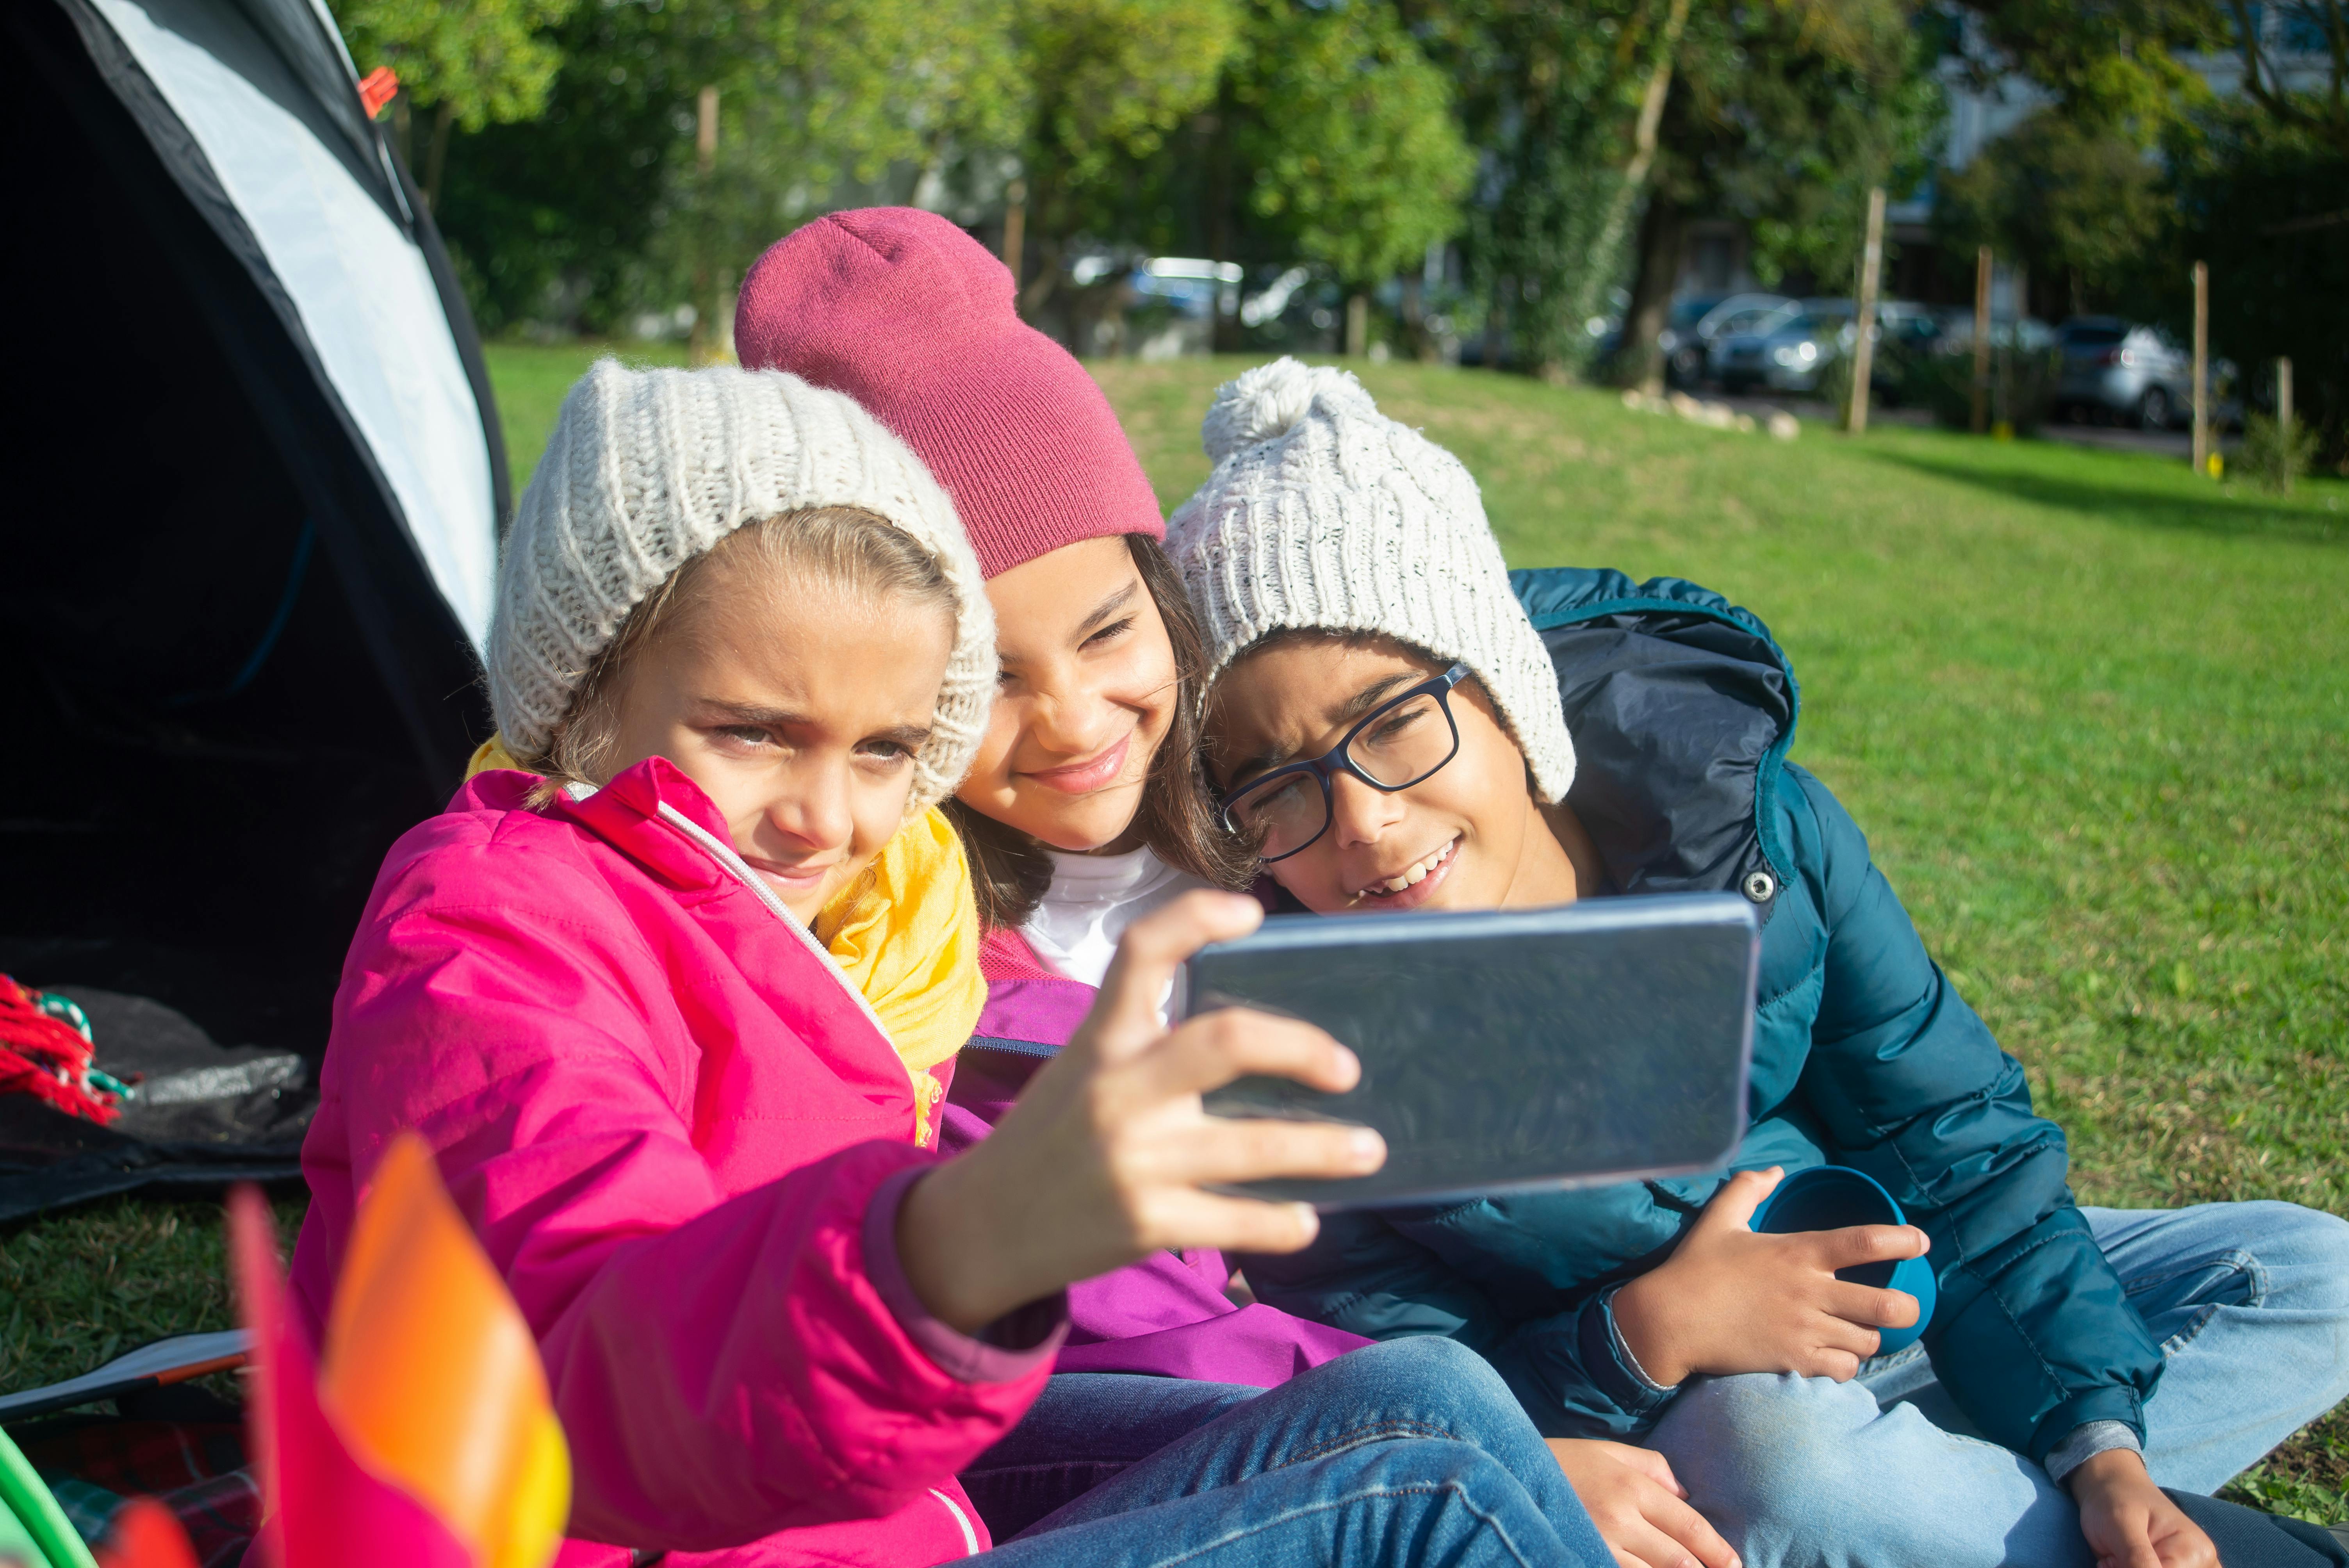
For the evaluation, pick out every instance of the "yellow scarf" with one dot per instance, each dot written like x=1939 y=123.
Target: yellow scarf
x=904 y=931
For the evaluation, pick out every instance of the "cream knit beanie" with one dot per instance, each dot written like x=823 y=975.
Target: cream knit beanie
x=1322 y=512
x=649 y=468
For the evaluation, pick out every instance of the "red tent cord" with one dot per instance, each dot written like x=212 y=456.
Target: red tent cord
x=47 y=1058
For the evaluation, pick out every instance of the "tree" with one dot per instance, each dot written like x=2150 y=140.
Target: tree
x=1551 y=93
x=830 y=103
x=2318 y=114
x=1110 y=80
x=470 y=62
x=2104 y=63
x=603 y=203
x=1782 y=116
x=1356 y=157
x=2249 y=184
x=2263 y=205
x=2083 y=207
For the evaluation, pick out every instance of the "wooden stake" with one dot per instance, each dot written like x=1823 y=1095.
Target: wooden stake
x=2283 y=398
x=698 y=350
x=2201 y=367
x=2001 y=404
x=1981 y=341
x=1015 y=227
x=1863 y=350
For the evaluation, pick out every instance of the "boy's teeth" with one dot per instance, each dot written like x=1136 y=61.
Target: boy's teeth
x=1412 y=875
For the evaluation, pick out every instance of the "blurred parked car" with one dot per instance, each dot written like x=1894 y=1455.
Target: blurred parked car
x=1793 y=352
x=1736 y=318
x=2114 y=368
x=1683 y=349
x=1796 y=355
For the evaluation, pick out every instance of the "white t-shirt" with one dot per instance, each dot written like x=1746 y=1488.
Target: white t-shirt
x=1093 y=900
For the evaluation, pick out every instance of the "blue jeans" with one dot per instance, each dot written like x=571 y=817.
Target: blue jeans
x=1085 y=1428
x=2251 y=1303
x=1397 y=1456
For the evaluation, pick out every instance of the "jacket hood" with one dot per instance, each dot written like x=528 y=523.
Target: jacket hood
x=1681 y=707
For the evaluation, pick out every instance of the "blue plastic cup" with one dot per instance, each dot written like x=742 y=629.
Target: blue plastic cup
x=1829 y=1198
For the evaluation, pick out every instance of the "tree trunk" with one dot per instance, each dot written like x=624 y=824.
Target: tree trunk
x=1639 y=358
x=1358 y=325
x=1223 y=326
x=1415 y=345
x=1015 y=231
x=436 y=157
x=1643 y=158
x=1042 y=230
x=1047 y=278
x=402 y=136
x=1496 y=322
x=698 y=349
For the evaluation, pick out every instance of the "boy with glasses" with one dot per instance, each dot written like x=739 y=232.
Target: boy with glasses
x=1393 y=724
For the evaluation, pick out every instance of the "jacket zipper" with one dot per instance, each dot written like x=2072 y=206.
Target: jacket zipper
x=969 y=1536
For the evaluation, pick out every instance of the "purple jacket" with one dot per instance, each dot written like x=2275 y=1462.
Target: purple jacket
x=1167 y=1316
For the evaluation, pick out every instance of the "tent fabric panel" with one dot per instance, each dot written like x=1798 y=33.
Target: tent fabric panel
x=365 y=295
x=303 y=34
x=405 y=622
x=469 y=341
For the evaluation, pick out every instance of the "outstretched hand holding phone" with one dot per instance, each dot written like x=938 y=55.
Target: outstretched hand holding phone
x=1731 y=1300
x=1105 y=1156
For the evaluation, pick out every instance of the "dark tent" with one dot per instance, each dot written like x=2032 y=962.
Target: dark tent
x=258 y=487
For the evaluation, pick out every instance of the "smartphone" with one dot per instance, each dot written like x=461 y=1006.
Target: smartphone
x=1596 y=1042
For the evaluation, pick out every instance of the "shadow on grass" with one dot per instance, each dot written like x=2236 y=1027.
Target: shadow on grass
x=2227 y=517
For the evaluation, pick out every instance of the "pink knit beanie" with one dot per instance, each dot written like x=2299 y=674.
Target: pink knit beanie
x=909 y=316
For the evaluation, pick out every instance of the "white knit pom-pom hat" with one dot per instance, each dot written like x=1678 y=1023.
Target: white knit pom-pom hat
x=647 y=469
x=1324 y=514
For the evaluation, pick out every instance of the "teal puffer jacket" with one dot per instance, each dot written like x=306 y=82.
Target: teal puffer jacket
x=1681 y=708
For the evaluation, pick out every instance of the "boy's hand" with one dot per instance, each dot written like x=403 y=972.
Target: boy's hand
x=1729 y=1300
x=2129 y=1522
x=1641 y=1508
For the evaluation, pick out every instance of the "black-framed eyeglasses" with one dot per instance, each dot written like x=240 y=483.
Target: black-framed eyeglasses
x=1401 y=742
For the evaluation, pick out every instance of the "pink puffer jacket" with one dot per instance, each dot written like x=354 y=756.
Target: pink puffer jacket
x=682 y=1140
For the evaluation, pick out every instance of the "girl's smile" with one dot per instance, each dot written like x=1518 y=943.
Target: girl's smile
x=1105 y=768
x=1088 y=697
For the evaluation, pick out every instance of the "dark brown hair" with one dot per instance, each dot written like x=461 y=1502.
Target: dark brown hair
x=1011 y=871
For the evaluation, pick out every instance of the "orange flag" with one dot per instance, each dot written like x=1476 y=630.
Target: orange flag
x=425 y=1437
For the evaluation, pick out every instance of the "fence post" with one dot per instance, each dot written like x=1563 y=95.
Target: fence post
x=1981 y=341
x=1863 y=351
x=698 y=349
x=2201 y=367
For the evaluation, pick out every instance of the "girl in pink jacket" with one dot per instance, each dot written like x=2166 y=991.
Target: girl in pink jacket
x=667 y=1002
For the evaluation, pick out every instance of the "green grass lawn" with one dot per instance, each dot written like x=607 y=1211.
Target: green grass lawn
x=531 y=380
x=2093 y=712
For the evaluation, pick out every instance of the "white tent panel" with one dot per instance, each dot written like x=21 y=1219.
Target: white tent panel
x=366 y=298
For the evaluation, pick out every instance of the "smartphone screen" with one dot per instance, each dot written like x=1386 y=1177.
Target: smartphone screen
x=1598 y=1042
